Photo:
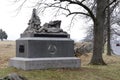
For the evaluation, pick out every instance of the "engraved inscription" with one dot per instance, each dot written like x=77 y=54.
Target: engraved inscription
x=50 y=64
x=52 y=49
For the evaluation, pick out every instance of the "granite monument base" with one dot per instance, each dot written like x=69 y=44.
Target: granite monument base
x=44 y=63
x=43 y=47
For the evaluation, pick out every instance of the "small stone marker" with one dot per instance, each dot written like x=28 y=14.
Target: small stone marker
x=44 y=47
x=115 y=47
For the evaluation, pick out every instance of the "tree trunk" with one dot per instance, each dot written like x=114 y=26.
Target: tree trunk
x=97 y=58
x=1 y=39
x=108 y=31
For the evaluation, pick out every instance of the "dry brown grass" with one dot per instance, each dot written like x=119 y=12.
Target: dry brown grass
x=7 y=50
x=108 y=59
x=109 y=72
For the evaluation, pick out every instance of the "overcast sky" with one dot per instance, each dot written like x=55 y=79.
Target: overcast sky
x=15 y=25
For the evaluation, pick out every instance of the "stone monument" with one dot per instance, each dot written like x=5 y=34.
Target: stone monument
x=44 y=47
x=115 y=45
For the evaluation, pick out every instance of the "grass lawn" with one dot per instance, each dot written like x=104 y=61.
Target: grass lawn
x=87 y=72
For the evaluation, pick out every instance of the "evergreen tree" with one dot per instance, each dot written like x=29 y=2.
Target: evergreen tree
x=3 y=35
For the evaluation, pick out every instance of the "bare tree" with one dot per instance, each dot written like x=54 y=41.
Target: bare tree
x=89 y=36
x=108 y=29
x=110 y=19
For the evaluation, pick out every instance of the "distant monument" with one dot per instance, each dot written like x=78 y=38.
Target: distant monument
x=44 y=47
x=115 y=45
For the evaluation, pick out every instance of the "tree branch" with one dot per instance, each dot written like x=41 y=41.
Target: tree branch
x=78 y=13
x=116 y=32
x=72 y=21
x=20 y=7
x=54 y=5
x=84 y=6
x=82 y=1
x=110 y=4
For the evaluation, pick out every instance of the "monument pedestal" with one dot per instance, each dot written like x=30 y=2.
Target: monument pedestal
x=42 y=47
x=44 y=63
x=44 y=53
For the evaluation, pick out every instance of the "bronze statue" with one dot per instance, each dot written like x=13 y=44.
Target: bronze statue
x=34 y=25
